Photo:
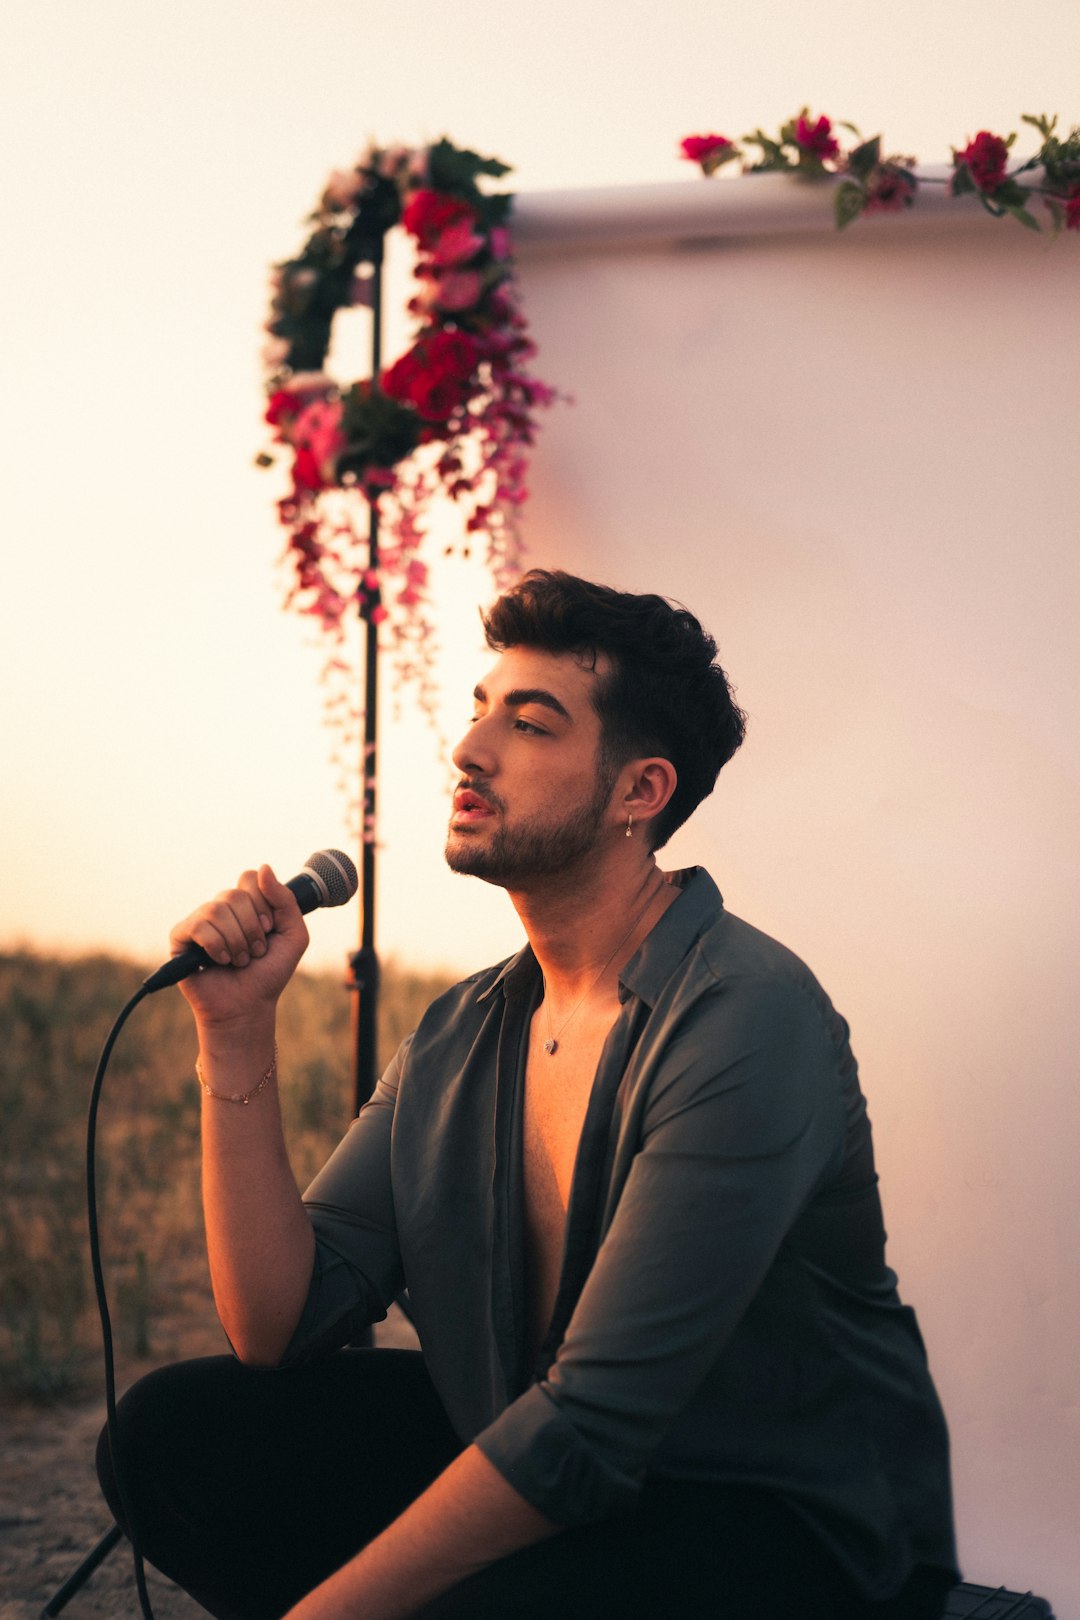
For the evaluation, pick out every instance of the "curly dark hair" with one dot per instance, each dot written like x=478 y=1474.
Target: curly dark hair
x=664 y=693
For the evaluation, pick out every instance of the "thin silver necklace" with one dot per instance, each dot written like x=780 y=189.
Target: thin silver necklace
x=551 y=1045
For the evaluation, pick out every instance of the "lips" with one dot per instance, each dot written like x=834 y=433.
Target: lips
x=471 y=806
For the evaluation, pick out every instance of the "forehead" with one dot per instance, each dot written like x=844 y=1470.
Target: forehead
x=566 y=677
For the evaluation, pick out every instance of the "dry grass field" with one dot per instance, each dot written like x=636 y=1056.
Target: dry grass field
x=54 y=1016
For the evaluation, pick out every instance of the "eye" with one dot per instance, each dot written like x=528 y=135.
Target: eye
x=528 y=727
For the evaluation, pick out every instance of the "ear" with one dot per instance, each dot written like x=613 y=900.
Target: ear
x=647 y=787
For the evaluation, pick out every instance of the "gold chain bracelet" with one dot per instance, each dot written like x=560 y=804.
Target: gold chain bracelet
x=238 y=1096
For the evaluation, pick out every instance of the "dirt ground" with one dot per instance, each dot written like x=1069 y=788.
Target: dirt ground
x=52 y=1513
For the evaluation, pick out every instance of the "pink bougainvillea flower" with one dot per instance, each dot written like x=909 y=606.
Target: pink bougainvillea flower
x=1072 y=210
x=500 y=243
x=318 y=429
x=286 y=403
x=816 y=139
x=986 y=158
x=457 y=244
x=696 y=148
x=890 y=191
x=461 y=289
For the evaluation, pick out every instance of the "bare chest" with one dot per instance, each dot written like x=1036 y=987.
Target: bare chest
x=557 y=1091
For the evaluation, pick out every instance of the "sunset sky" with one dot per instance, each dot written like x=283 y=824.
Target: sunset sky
x=161 y=724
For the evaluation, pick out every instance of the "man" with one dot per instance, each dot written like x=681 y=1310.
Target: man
x=628 y=1180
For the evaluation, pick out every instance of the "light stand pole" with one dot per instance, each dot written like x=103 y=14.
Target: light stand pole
x=379 y=210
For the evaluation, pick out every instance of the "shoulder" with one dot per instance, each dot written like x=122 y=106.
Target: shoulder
x=742 y=1001
x=732 y=951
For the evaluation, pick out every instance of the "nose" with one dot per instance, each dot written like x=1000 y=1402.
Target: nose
x=473 y=754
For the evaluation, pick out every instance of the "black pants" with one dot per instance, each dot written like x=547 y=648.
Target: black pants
x=248 y=1488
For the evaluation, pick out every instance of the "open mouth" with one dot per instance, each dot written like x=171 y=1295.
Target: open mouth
x=470 y=807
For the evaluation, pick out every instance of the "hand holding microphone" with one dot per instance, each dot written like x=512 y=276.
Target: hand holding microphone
x=256 y=927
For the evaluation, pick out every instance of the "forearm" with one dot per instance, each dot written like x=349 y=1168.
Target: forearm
x=466 y=1520
x=259 y=1238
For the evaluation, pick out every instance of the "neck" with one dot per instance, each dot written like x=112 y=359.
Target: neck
x=583 y=922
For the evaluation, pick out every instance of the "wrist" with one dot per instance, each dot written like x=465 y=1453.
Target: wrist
x=244 y=1097
x=248 y=1039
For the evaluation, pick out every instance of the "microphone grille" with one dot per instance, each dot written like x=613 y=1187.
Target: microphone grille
x=335 y=875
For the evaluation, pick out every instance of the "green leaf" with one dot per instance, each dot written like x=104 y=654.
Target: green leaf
x=848 y=203
x=865 y=158
x=962 y=181
x=1010 y=195
x=453 y=168
x=1057 y=214
x=1025 y=217
x=378 y=430
x=1044 y=125
x=494 y=209
x=773 y=155
x=716 y=160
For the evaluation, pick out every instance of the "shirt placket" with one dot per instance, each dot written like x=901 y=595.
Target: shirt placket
x=588 y=1185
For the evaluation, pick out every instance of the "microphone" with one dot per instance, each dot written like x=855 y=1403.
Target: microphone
x=328 y=879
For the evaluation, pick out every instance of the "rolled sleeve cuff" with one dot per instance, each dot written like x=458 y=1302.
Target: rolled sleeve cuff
x=339 y=1306
x=540 y=1453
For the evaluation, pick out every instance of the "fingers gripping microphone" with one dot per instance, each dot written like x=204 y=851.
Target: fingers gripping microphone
x=328 y=879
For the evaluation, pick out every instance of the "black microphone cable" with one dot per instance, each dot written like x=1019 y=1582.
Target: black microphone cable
x=102 y=1301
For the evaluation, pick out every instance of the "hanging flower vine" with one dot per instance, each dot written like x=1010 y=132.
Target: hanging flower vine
x=453 y=416
x=872 y=184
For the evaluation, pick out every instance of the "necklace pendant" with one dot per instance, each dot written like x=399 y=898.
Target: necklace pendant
x=551 y=1047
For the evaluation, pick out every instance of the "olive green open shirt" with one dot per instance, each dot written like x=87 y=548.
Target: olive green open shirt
x=725 y=1311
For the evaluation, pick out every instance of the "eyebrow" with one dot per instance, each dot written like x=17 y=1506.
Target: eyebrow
x=527 y=694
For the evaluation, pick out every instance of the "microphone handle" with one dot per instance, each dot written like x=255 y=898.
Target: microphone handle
x=308 y=896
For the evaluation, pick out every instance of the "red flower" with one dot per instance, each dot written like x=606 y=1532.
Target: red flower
x=435 y=375
x=428 y=213
x=698 y=147
x=306 y=472
x=986 y=157
x=282 y=405
x=1072 y=210
x=817 y=140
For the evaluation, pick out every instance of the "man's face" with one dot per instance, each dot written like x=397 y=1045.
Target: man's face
x=533 y=794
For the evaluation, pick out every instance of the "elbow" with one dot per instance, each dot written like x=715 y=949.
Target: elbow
x=257 y=1357
x=262 y=1346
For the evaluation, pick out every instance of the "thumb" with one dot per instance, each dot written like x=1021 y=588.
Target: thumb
x=285 y=916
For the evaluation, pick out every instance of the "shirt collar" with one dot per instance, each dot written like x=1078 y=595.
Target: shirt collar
x=515 y=974
x=666 y=944
x=659 y=954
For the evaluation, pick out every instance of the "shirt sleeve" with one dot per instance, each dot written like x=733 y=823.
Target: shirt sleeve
x=357 y=1268
x=744 y=1115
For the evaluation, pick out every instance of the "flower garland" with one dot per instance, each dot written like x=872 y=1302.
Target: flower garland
x=872 y=184
x=454 y=415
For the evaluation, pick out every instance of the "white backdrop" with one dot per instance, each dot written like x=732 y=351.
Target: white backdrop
x=854 y=457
